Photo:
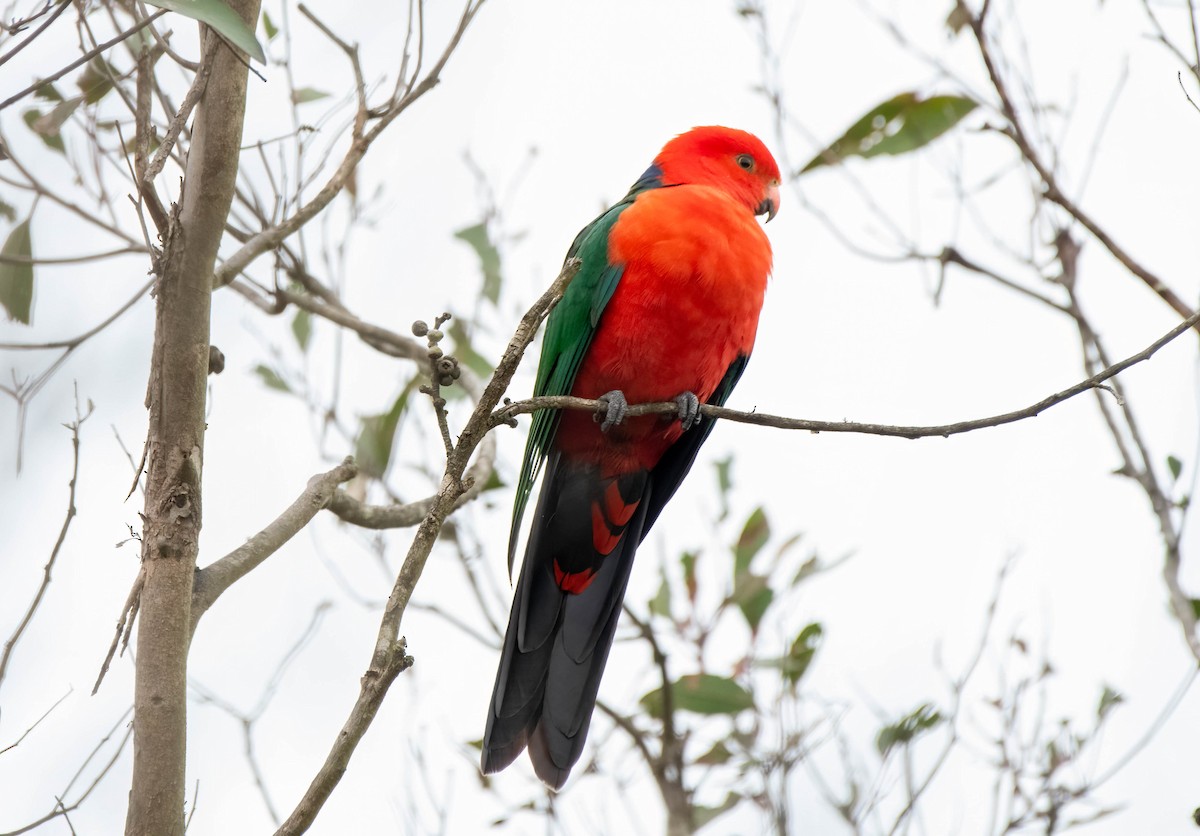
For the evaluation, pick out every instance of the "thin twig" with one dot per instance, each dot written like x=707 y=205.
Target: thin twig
x=75 y=342
x=1052 y=191
x=124 y=625
x=390 y=656
x=37 y=722
x=83 y=59
x=71 y=259
x=62 y=7
x=507 y=413
x=61 y=808
x=269 y=239
x=11 y=644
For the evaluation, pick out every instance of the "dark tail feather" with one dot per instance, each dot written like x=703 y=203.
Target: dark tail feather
x=557 y=643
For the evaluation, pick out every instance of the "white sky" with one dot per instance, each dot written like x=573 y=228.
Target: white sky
x=596 y=89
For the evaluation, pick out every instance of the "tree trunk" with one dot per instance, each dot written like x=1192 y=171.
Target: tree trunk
x=175 y=446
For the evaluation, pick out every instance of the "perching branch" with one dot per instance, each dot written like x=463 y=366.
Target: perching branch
x=508 y=413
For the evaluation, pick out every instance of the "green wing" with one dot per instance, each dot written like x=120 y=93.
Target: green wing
x=569 y=332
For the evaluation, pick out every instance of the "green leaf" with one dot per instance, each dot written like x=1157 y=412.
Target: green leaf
x=701 y=693
x=96 y=80
x=1195 y=607
x=8 y=211
x=715 y=756
x=754 y=536
x=302 y=328
x=702 y=815
x=908 y=728
x=493 y=483
x=901 y=124
x=660 y=604
x=269 y=27
x=50 y=124
x=373 y=450
x=801 y=654
x=272 y=378
x=53 y=141
x=16 y=280
x=489 y=257
x=688 y=561
x=218 y=15
x=807 y=569
x=958 y=19
x=308 y=94
x=48 y=92
x=752 y=595
x=724 y=483
x=1109 y=699
x=1175 y=466
x=466 y=353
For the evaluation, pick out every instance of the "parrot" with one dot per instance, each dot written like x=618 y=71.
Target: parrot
x=664 y=308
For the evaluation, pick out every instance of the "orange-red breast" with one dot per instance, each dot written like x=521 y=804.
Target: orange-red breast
x=664 y=308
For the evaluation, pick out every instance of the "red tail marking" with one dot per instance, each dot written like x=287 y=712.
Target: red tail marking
x=573 y=582
x=603 y=538
x=615 y=508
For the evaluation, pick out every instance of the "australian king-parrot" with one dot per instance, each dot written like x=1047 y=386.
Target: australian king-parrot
x=664 y=307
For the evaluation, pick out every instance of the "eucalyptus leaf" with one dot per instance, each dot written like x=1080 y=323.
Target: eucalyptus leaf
x=377 y=434
x=223 y=19
x=908 y=728
x=899 y=125
x=308 y=94
x=271 y=378
x=701 y=693
x=755 y=533
x=16 y=279
x=478 y=238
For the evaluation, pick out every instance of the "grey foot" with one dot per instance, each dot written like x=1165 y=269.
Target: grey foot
x=689 y=409
x=615 y=409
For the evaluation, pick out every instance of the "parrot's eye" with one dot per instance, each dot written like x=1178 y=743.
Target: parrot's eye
x=745 y=161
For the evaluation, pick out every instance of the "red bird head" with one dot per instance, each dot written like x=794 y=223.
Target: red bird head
x=734 y=161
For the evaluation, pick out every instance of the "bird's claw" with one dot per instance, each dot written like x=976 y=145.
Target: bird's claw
x=614 y=411
x=689 y=409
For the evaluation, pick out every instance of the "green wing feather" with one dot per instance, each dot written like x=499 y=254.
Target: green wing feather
x=569 y=332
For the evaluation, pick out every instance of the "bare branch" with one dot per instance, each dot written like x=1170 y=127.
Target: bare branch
x=390 y=656
x=270 y=238
x=247 y=719
x=17 y=27
x=507 y=413
x=75 y=342
x=37 y=722
x=1053 y=192
x=83 y=59
x=124 y=629
x=215 y=578
x=11 y=644
x=71 y=259
x=60 y=807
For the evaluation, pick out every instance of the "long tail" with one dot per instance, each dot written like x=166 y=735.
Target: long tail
x=564 y=614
